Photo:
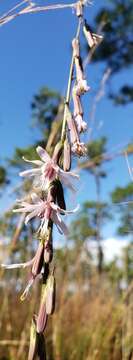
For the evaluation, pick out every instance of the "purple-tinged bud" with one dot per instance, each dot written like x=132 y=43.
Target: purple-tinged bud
x=60 y=196
x=42 y=316
x=78 y=110
x=50 y=296
x=48 y=253
x=67 y=156
x=57 y=152
x=79 y=70
x=79 y=9
x=33 y=341
x=74 y=137
x=75 y=46
x=92 y=38
x=81 y=86
x=38 y=261
x=88 y=36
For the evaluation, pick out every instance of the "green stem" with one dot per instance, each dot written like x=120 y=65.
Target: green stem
x=67 y=100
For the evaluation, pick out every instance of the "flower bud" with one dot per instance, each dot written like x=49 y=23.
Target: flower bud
x=79 y=70
x=57 y=152
x=88 y=35
x=50 y=296
x=75 y=45
x=48 y=253
x=72 y=128
x=67 y=156
x=38 y=261
x=33 y=341
x=42 y=316
x=92 y=38
x=77 y=103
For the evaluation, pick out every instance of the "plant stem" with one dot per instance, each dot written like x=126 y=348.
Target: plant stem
x=67 y=100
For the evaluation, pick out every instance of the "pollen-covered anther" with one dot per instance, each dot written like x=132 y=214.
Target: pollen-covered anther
x=67 y=156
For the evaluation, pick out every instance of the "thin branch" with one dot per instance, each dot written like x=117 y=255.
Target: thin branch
x=67 y=100
x=32 y=9
x=128 y=166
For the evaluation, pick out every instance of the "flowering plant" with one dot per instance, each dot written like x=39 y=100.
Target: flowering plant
x=50 y=175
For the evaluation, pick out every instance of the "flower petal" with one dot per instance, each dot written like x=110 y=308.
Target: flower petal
x=67 y=212
x=31 y=172
x=43 y=154
x=66 y=180
x=35 y=162
x=35 y=198
x=19 y=265
x=27 y=289
x=61 y=226
x=31 y=216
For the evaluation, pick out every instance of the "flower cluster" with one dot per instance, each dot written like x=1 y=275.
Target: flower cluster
x=46 y=202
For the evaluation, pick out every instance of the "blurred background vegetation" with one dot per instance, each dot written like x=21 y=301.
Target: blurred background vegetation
x=94 y=309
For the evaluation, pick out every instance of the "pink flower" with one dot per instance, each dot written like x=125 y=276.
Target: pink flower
x=45 y=210
x=47 y=170
x=81 y=85
x=36 y=266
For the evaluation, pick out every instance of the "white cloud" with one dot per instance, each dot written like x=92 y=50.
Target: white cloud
x=112 y=247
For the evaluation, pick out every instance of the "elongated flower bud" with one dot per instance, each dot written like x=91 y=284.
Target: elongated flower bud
x=33 y=341
x=50 y=296
x=88 y=35
x=67 y=156
x=79 y=70
x=78 y=110
x=75 y=46
x=48 y=252
x=72 y=128
x=57 y=152
x=38 y=261
x=60 y=196
x=42 y=316
x=92 y=38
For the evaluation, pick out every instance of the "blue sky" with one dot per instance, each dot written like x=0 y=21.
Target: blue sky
x=35 y=52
